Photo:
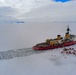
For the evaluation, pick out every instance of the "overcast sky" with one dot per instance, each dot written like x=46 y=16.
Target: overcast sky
x=62 y=9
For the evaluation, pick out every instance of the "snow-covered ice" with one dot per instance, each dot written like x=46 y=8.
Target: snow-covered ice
x=17 y=57
x=45 y=63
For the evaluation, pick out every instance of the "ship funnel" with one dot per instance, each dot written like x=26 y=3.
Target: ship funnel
x=58 y=37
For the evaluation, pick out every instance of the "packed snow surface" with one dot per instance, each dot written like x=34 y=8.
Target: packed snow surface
x=50 y=62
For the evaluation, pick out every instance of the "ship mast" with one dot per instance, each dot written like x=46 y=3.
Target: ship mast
x=68 y=29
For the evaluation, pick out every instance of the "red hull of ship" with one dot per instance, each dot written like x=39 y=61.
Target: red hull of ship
x=54 y=47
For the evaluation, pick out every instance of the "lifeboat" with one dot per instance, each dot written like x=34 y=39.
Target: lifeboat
x=58 y=42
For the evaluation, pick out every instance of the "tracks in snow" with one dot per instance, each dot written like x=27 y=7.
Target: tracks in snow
x=5 y=55
x=9 y=54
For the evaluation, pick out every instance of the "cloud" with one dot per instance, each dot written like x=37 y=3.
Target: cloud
x=55 y=11
x=22 y=5
x=7 y=10
x=25 y=3
x=38 y=8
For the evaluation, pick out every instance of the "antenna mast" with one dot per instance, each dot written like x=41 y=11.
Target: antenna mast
x=68 y=29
